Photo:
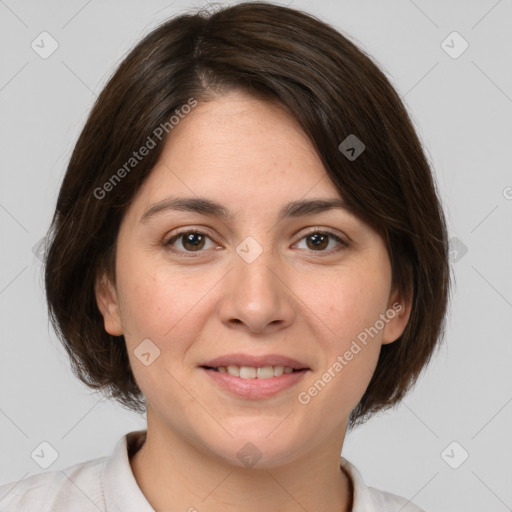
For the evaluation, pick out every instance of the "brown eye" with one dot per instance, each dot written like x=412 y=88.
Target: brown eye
x=319 y=241
x=190 y=241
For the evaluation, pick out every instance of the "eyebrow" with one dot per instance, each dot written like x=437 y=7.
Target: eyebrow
x=204 y=206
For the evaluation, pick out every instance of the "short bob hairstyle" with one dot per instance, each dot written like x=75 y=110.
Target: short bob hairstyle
x=324 y=81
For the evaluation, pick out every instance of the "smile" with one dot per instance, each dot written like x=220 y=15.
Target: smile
x=249 y=372
x=254 y=383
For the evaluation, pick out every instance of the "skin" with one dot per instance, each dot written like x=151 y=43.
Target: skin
x=295 y=299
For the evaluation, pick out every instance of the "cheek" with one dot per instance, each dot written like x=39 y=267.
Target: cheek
x=347 y=303
x=153 y=299
x=346 y=310
x=159 y=307
x=145 y=300
x=169 y=308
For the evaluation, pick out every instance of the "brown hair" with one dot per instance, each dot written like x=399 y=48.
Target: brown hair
x=334 y=90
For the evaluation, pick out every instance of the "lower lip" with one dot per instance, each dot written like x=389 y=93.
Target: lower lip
x=255 y=388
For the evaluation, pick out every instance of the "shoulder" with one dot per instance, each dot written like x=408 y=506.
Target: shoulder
x=76 y=487
x=388 y=502
x=97 y=484
x=369 y=499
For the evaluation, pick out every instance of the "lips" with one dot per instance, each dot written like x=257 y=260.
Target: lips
x=255 y=377
x=245 y=360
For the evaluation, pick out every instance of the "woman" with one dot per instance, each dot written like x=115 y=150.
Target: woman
x=248 y=246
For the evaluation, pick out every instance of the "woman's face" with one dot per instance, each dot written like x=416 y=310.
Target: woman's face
x=266 y=285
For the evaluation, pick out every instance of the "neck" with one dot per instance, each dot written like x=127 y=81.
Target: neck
x=170 y=470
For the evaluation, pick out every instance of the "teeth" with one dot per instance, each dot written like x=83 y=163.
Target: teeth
x=266 y=372
x=248 y=372
x=278 y=370
x=234 y=370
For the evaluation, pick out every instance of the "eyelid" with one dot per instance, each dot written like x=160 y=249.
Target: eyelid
x=341 y=239
x=318 y=229
x=188 y=230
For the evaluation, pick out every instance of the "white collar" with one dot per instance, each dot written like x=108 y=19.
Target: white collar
x=122 y=492
x=120 y=488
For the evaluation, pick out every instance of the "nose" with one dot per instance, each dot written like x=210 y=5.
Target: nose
x=256 y=297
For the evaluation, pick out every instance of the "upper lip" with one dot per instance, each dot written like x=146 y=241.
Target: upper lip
x=255 y=361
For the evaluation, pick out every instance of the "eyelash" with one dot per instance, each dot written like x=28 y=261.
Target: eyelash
x=342 y=243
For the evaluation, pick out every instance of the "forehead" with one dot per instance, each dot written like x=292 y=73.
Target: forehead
x=240 y=150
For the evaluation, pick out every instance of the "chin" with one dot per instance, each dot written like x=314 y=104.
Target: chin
x=255 y=448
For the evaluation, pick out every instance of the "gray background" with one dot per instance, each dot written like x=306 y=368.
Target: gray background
x=462 y=108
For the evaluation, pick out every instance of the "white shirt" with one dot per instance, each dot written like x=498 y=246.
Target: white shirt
x=107 y=484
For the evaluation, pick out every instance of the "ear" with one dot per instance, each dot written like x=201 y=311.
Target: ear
x=106 y=297
x=397 y=315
